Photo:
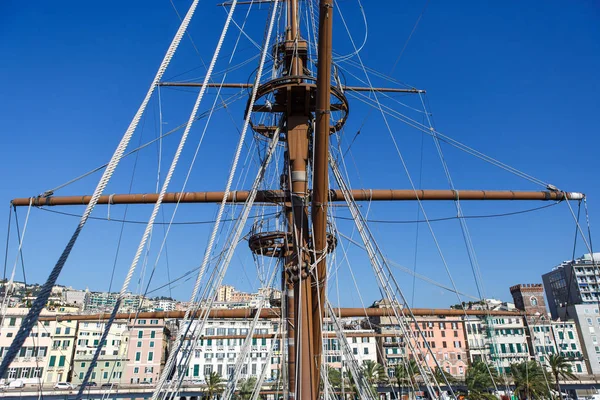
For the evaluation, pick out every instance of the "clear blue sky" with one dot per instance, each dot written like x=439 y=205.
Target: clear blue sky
x=515 y=80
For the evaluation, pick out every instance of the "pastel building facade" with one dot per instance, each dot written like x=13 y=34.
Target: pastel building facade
x=59 y=361
x=216 y=349
x=29 y=365
x=147 y=351
x=113 y=356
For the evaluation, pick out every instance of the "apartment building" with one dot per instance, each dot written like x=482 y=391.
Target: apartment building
x=59 y=360
x=573 y=282
x=147 y=350
x=220 y=343
x=113 y=356
x=30 y=363
x=507 y=341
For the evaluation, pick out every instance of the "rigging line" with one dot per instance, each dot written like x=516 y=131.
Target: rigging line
x=235 y=97
x=30 y=320
x=464 y=228
x=8 y=285
x=157 y=205
x=444 y=138
x=121 y=231
x=209 y=247
x=409 y=36
x=10 y=211
x=410 y=271
x=379 y=264
x=129 y=221
x=356 y=51
x=412 y=301
x=508 y=214
x=463 y=224
x=576 y=234
x=347 y=260
x=167 y=229
x=20 y=242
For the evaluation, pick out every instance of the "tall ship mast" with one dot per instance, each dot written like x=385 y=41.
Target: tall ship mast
x=293 y=113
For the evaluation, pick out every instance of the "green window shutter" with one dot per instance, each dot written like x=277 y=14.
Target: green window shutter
x=150 y=356
x=61 y=361
x=196 y=370
x=140 y=334
x=571 y=335
x=561 y=335
x=138 y=355
x=264 y=342
x=52 y=361
x=152 y=334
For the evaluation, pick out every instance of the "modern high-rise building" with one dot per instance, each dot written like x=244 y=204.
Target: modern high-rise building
x=573 y=282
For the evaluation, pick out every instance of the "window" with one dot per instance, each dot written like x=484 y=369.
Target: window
x=140 y=334
x=354 y=340
x=455 y=333
x=136 y=370
x=138 y=356
x=150 y=356
x=366 y=350
x=81 y=375
x=61 y=361
x=152 y=334
x=153 y=322
x=355 y=351
x=561 y=335
x=443 y=333
x=151 y=344
x=444 y=345
x=58 y=331
x=52 y=361
x=196 y=370
x=139 y=344
x=365 y=340
x=533 y=300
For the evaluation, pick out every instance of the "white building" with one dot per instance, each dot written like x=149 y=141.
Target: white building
x=221 y=344
x=566 y=337
x=75 y=298
x=113 y=356
x=587 y=319
x=508 y=341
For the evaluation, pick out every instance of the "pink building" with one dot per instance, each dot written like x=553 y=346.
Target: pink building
x=447 y=341
x=443 y=340
x=147 y=352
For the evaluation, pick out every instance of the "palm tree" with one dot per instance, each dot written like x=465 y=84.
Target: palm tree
x=480 y=378
x=374 y=373
x=530 y=380
x=246 y=388
x=406 y=374
x=214 y=384
x=560 y=369
x=334 y=376
x=442 y=376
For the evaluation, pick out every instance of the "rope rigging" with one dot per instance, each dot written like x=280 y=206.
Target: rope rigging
x=210 y=245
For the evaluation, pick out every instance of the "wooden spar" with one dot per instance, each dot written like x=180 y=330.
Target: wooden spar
x=279 y=196
x=248 y=86
x=274 y=313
